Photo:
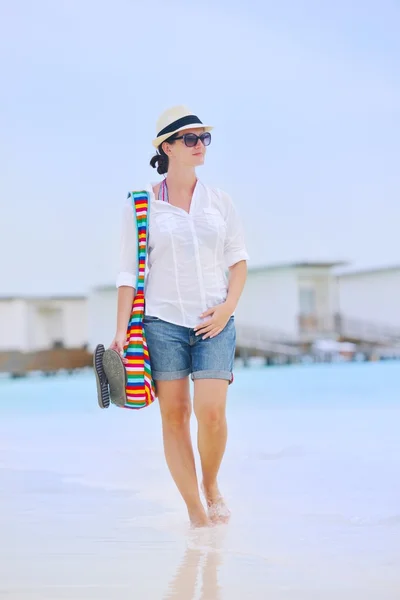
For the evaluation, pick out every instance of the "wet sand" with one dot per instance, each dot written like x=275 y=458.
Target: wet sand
x=88 y=511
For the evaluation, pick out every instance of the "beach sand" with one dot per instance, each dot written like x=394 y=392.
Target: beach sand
x=88 y=509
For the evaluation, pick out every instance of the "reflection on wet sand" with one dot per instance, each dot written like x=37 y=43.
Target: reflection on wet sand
x=200 y=564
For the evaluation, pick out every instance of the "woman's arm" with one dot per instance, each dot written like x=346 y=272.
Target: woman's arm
x=220 y=314
x=236 y=256
x=237 y=280
x=127 y=276
x=126 y=295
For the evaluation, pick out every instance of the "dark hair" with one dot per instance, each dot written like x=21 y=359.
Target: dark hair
x=161 y=158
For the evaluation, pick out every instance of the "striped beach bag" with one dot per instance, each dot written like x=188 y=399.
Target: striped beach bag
x=140 y=389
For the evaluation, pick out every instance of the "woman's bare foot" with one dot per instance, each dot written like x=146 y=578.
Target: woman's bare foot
x=198 y=518
x=218 y=511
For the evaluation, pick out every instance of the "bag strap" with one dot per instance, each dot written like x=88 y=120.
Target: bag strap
x=141 y=208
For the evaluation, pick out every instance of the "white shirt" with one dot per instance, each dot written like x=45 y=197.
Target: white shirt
x=188 y=254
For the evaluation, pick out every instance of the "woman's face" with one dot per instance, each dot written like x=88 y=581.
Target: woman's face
x=179 y=152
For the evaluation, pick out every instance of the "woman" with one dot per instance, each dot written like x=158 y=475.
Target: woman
x=195 y=237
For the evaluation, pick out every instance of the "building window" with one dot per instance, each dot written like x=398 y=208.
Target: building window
x=307 y=301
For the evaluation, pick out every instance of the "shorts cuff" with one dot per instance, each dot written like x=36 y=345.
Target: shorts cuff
x=169 y=375
x=210 y=374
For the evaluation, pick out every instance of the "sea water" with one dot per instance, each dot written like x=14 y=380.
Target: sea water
x=311 y=473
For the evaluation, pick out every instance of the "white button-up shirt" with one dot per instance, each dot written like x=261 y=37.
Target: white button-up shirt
x=189 y=254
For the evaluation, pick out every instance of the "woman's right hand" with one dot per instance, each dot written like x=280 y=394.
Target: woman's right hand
x=118 y=343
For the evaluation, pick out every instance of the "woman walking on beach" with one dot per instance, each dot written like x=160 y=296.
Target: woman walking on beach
x=196 y=273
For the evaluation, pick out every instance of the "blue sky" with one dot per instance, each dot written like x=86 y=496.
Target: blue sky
x=304 y=97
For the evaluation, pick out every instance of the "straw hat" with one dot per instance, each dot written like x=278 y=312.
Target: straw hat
x=176 y=119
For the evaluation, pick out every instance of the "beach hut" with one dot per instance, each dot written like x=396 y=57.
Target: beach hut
x=369 y=301
x=31 y=323
x=295 y=302
x=102 y=315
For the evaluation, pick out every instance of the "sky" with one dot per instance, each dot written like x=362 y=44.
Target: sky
x=304 y=97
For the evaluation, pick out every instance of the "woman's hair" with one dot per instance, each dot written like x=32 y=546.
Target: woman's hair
x=161 y=159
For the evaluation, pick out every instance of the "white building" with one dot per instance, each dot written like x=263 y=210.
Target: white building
x=288 y=301
x=370 y=297
x=102 y=315
x=295 y=301
x=34 y=323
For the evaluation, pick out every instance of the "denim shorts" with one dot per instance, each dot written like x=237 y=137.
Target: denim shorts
x=176 y=352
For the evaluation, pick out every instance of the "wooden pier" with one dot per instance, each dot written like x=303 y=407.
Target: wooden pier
x=18 y=364
x=273 y=347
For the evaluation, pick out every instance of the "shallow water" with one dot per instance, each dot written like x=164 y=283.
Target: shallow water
x=88 y=509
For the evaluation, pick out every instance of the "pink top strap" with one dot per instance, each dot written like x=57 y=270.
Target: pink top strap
x=163 y=191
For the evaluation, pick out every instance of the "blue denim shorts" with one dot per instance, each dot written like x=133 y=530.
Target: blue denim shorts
x=176 y=352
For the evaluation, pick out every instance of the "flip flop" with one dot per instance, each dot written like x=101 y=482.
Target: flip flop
x=114 y=369
x=103 y=394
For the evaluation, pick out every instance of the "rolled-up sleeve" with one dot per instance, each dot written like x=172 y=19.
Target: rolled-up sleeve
x=128 y=257
x=235 y=247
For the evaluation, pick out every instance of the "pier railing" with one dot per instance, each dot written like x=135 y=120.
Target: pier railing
x=251 y=339
x=340 y=326
x=264 y=340
x=268 y=341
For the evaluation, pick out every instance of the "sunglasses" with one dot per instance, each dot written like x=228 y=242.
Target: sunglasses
x=191 y=139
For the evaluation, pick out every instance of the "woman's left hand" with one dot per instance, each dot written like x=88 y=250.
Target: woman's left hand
x=219 y=316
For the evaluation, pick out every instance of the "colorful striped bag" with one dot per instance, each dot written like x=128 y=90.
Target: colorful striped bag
x=127 y=382
x=140 y=389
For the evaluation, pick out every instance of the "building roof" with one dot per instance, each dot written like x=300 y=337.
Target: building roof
x=38 y=297
x=259 y=269
x=104 y=287
x=353 y=271
x=298 y=265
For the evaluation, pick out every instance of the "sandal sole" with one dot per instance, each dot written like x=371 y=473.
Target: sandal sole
x=114 y=369
x=103 y=394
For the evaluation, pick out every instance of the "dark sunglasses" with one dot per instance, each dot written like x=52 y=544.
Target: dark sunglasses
x=191 y=139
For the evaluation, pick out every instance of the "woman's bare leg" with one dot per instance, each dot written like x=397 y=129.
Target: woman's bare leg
x=210 y=410
x=175 y=405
